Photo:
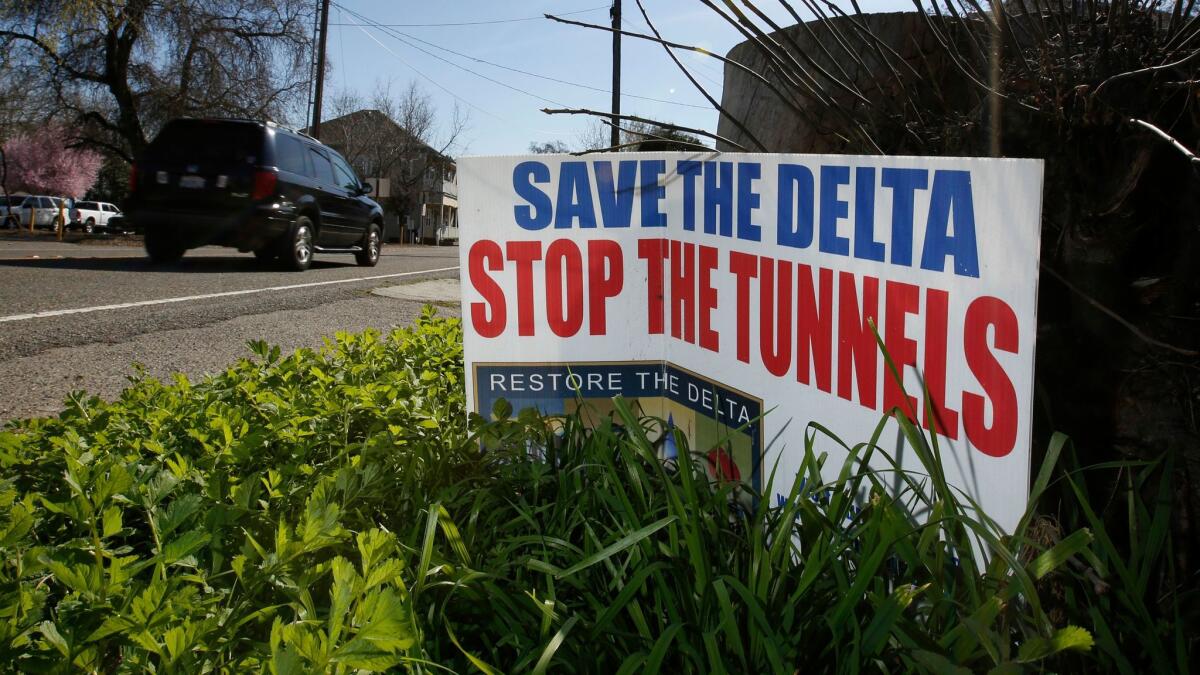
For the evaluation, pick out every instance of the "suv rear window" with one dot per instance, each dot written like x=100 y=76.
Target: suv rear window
x=86 y=206
x=214 y=141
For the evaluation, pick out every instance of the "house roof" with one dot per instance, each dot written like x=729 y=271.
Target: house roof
x=373 y=116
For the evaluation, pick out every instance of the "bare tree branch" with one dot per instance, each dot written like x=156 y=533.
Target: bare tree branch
x=635 y=118
x=736 y=122
x=699 y=50
x=1171 y=140
x=52 y=54
x=643 y=134
x=1137 y=332
x=137 y=63
x=1145 y=71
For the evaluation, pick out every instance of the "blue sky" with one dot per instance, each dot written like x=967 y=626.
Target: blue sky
x=504 y=120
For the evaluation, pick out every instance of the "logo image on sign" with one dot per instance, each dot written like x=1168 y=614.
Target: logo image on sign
x=722 y=425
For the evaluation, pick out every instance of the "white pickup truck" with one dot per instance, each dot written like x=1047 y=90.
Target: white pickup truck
x=90 y=216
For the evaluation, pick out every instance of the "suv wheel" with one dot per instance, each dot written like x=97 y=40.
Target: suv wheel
x=90 y=226
x=162 y=247
x=296 y=250
x=371 y=244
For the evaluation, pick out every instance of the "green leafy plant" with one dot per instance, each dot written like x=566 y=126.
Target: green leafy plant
x=337 y=511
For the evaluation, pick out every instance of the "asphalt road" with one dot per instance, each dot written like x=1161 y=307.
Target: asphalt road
x=77 y=316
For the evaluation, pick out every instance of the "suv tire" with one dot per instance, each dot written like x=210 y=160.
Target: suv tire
x=371 y=244
x=161 y=247
x=296 y=247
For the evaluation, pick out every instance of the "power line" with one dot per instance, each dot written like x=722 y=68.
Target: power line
x=539 y=17
x=549 y=78
x=396 y=34
x=435 y=82
x=430 y=79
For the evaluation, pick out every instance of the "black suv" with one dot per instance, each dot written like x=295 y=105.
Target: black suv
x=254 y=186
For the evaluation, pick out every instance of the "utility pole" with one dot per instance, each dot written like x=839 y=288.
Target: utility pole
x=615 y=13
x=314 y=129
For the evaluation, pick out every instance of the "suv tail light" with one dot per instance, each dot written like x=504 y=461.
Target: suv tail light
x=132 y=177
x=264 y=184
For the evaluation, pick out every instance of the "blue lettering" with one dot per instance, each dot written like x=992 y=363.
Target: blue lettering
x=865 y=246
x=538 y=213
x=653 y=193
x=616 y=201
x=796 y=191
x=951 y=194
x=833 y=209
x=718 y=195
x=574 y=196
x=904 y=183
x=689 y=169
x=747 y=201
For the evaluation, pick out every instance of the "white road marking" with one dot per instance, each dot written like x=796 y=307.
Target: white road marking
x=207 y=296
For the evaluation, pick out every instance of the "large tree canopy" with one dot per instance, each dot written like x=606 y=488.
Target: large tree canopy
x=125 y=67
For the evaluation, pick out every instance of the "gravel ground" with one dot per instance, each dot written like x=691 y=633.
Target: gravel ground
x=44 y=359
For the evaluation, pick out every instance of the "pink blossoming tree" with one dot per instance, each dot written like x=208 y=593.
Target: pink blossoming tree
x=41 y=163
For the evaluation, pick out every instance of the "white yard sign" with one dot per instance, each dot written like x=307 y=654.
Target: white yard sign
x=733 y=295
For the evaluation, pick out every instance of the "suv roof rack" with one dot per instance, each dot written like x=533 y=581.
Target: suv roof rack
x=270 y=123
x=298 y=132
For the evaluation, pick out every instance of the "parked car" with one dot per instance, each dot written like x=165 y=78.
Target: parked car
x=50 y=212
x=90 y=216
x=254 y=186
x=118 y=224
x=9 y=210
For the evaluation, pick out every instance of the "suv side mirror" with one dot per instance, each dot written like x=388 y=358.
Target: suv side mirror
x=364 y=188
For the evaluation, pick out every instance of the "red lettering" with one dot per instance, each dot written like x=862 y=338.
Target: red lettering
x=937 y=309
x=487 y=317
x=775 y=316
x=998 y=439
x=606 y=277
x=814 y=327
x=857 y=352
x=683 y=291
x=744 y=267
x=524 y=253
x=563 y=256
x=901 y=299
x=654 y=252
x=709 y=339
